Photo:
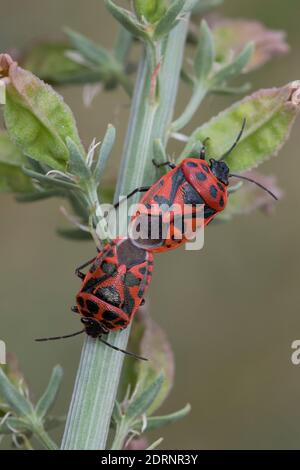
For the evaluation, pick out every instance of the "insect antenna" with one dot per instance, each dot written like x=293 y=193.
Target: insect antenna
x=60 y=337
x=235 y=142
x=123 y=350
x=255 y=182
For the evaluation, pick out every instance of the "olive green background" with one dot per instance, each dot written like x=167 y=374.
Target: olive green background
x=231 y=310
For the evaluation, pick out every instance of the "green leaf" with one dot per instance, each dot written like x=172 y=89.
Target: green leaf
x=47 y=399
x=269 y=116
x=87 y=48
x=9 y=153
x=37 y=119
x=169 y=19
x=156 y=422
x=150 y=10
x=143 y=401
x=77 y=163
x=205 y=53
x=48 y=180
x=127 y=20
x=49 y=61
x=13 y=397
x=12 y=179
x=155 y=346
x=235 y=68
x=17 y=424
x=105 y=150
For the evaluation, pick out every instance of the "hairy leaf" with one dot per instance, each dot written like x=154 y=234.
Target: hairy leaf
x=269 y=116
x=126 y=19
x=47 y=399
x=205 y=53
x=170 y=19
x=36 y=117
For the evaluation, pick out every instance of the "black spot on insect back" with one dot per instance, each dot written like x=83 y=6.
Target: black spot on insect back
x=205 y=167
x=191 y=164
x=213 y=191
x=221 y=202
x=92 y=306
x=108 y=315
x=201 y=176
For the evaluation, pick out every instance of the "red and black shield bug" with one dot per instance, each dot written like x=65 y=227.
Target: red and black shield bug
x=112 y=290
x=193 y=182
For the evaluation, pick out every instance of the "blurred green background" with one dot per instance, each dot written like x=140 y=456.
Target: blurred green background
x=231 y=310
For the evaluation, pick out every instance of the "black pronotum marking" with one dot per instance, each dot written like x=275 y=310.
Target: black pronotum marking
x=110 y=295
x=191 y=196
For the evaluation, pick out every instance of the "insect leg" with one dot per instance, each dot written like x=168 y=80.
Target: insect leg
x=168 y=163
x=78 y=271
x=202 y=154
x=141 y=189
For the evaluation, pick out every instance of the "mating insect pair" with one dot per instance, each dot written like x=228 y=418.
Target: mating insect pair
x=115 y=285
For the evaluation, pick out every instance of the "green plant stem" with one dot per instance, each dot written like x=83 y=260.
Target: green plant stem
x=120 y=436
x=99 y=370
x=45 y=439
x=197 y=97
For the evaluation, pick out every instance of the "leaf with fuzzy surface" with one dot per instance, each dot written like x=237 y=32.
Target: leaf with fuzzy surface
x=169 y=20
x=127 y=20
x=269 y=116
x=37 y=119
